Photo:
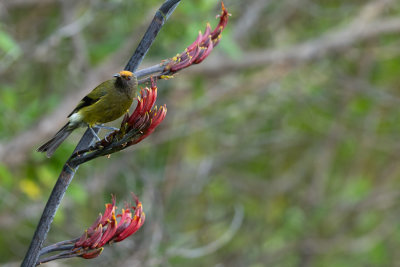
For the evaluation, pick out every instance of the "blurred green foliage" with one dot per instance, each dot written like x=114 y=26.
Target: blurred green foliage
x=308 y=150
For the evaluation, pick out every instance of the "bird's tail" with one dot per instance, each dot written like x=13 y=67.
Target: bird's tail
x=50 y=146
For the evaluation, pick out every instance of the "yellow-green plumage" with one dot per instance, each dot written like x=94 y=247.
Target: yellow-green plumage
x=107 y=102
x=109 y=105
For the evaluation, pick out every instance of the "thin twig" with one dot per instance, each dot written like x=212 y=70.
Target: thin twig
x=59 y=248
x=62 y=255
x=215 y=245
x=149 y=71
x=84 y=155
x=63 y=245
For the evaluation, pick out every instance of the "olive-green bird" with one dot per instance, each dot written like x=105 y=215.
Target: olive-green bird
x=107 y=102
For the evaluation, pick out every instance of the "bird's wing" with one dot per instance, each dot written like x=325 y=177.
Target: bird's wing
x=93 y=97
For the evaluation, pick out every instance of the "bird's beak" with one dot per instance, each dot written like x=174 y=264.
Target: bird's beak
x=117 y=75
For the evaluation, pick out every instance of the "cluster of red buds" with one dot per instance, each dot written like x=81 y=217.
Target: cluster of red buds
x=104 y=231
x=146 y=117
x=141 y=123
x=200 y=48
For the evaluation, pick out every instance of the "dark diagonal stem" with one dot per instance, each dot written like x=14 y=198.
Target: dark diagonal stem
x=158 y=21
x=69 y=169
x=63 y=181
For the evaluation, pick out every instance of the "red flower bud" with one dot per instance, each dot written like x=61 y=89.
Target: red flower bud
x=106 y=229
x=201 y=47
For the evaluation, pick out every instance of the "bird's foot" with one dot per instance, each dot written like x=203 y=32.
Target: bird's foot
x=106 y=137
x=101 y=126
x=94 y=134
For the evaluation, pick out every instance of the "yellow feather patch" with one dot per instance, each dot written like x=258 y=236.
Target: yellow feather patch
x=125 y=73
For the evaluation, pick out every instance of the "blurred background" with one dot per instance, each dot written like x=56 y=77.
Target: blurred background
x=280 y=149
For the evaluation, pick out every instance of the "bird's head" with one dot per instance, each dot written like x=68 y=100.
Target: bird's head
x=125 y=80
x=125 y=75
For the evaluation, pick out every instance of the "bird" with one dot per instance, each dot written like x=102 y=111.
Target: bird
x=107 y=102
